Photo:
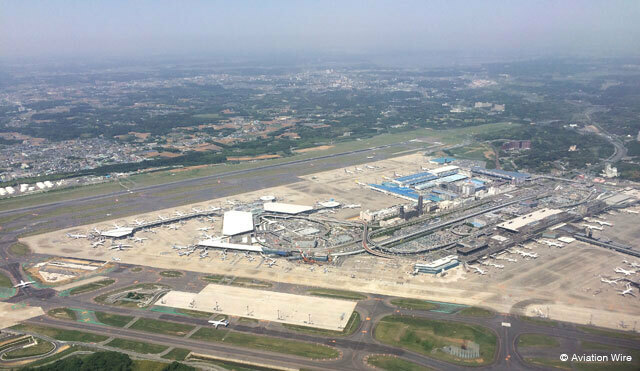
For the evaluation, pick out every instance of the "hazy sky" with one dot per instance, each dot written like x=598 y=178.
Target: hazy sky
x=120 y=28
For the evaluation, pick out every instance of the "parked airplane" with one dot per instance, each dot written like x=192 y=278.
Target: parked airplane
x=370 y=167
x=359 y=169
x=610 y=282
x=174 y=227
x=204 y=229
x=23 y=284
x=632 y=264
x=552 y=243
x=97 y=243
x=179 y=213
x=601 y=222
x=187 y=253
x=96 y=231
x=178 y=247
x=204 y=254
x=138 y=222
x=223 y=322
x=115 y=258
x=213 y=208
x=631 y=211
x=76 y=236
x=592 y=227
x=348 y=171
x=624 y=271
x=196 y=210
x=478 y=270
x=207 y=236
x=162 y=218
x=352 y=206
x=120 y=247
x=627 y=291
x=139 y=239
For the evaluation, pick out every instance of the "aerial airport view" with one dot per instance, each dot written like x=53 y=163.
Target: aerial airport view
x=185 y=205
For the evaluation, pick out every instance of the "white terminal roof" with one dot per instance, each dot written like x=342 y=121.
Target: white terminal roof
x=230 y=246
x=443 y=169
x=515 y=224
x=236 y=222
x=117 y=233
x=279 y=207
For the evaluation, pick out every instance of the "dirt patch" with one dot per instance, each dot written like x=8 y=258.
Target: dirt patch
x=318 y=148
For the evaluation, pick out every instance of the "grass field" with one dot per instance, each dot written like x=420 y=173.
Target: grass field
x=476 y=312
x=93 y=286
x=19 y=249
x=137 y=346
x=148 y=365
x=540 y=321
x=609 y=333
x=414 y=304
x=136 y=269
x=429 y=336
x=115 y=320
x=61 y=334
x=62 y=313
x=42 y=347
x=171 y=274
x=5 y=281
x=161 y=327
x=177 y=354
x=271 y=344
x=392 y=363
x=337 y=294
x=236 y=281
x=537 y=340
x=350 y=328
x=587 y=347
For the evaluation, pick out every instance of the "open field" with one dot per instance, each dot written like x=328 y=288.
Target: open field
x=5 y=281
x=161 y=327
x=429 y=336
x=177 y=354
x=11 y=314
x=115 y=320
x=337 y=294
x=414 y=304
x=19 y=249
x=537 y=340
x=271 y=344
x=136 y=346
x=61 y=334
x=90 y=287
x=350 y=328
x=392 y=363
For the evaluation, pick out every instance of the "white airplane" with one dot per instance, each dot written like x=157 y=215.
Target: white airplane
x=210 y=218
x=196 y=210
x=97 y=243
x=204 y=254
x=139 y=239
x=370 y=157
x=23 y=284
x=359 y=169
x=601 y=222
x=348 y=171
x=204 y=229
x=624 y=271
x=352 y=206
x=370 y=167
x=478 y=270
x=187 y=253
x=178 y=247
x=119 y=247
x=162 y=218
x=115 y=258
x=213 y=208
x=552 y=243
x=76 y=236
x=223 y=322
x=179 y=213
x=174 y=227
x=592 y=227
x=138 y=222
x=631 y=211
x=610 y=282
x=627 y=291
x=207 y=236
x=96 y=230
x=632 y=264
x=116 y=226
x=271 y=263
x=149 y=230
x=525 y=254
